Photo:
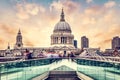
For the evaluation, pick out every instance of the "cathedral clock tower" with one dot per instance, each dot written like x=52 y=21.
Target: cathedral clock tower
x=19 y=43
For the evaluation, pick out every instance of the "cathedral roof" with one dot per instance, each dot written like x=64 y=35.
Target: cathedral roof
x=62 y=25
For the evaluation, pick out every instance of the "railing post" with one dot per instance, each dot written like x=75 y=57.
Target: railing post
x=0 y=71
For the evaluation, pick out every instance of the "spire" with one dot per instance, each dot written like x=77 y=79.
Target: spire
x=8 y=46
x=19 y=32
x=62 y=16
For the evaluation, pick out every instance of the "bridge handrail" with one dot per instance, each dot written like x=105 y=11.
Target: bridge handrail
x=86 y=58
x=97 y=60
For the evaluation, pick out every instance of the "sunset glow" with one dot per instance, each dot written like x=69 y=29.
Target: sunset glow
x=99 y=20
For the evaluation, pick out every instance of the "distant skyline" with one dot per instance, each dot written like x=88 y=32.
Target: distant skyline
x=98 y=20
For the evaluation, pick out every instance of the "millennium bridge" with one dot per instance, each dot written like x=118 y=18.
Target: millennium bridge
x=40 y=69
x=87 y=66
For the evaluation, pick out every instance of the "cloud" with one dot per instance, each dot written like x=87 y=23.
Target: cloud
x=8 y=34
x=25 y=11
x=28 y=43
x=95 y=10
x=2 y=41
x=21 y=12
x=107 y=41
x=7 y=29
x=55 y=6
x=104 y=37
x=68 y=5
x=32 y=9
x=89 y=1
x=110 y=4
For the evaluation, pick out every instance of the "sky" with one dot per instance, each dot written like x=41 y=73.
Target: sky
x=99 y=20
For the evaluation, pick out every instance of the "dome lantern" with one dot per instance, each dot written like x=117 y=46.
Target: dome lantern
x=62 y=25
x=62 y=16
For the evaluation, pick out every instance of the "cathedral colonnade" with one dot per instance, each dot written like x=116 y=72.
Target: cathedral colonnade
x=61 y=40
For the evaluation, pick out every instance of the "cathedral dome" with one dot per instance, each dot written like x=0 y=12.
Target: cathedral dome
x=62 y=34
x=62 y=25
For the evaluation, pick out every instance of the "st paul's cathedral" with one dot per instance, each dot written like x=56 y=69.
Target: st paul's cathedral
x=61 y=41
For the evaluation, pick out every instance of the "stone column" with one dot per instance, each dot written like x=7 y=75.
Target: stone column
x=51 y=40
x=62 y=40
x=59 y=39
x=70 y=40
x=55 y=40
x=65 y=40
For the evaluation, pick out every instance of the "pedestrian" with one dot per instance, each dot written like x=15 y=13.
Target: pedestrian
x=72 y=55
x=29 y=55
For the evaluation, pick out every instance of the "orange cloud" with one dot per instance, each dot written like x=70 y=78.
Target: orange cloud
x=2 y=41
x=107 y=41
x=8 y=35
x=68 y=5
x=110 y=4
x=24 y=11
x=7 y=29
x=104 y=37
x=104 y=44
x=21 y=12
x=28 y=43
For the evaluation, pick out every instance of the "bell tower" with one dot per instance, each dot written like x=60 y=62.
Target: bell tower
x=19 y=43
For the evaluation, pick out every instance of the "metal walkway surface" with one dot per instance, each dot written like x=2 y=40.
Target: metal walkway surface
x=62 y=75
